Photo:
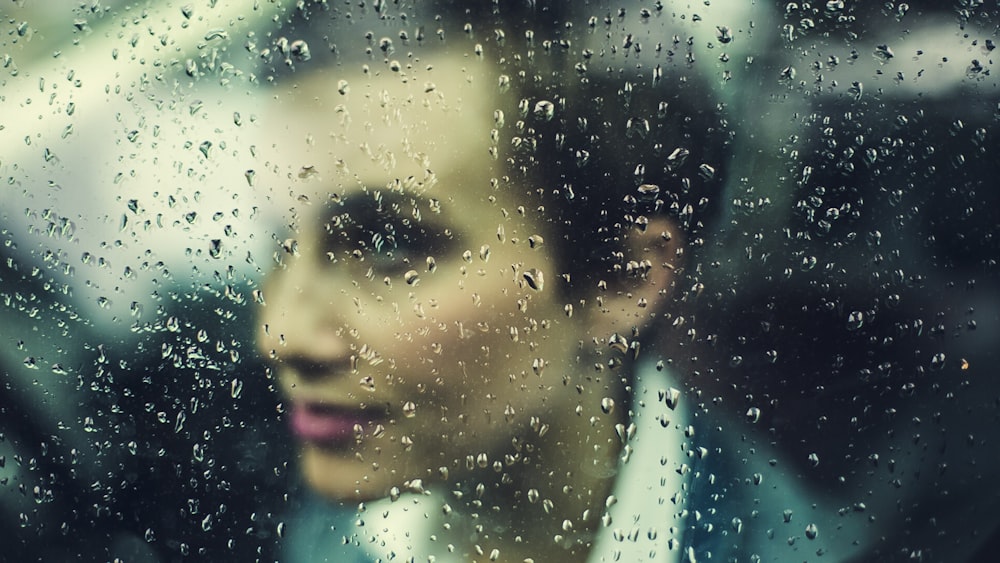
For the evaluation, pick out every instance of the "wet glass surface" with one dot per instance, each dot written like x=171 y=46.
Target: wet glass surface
x=498 y=281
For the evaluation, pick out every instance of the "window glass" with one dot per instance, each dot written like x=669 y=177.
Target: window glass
x=532 y=280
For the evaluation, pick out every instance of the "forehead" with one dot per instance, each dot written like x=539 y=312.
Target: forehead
x=418 y=130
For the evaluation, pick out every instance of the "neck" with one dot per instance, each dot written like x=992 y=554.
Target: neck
x=545 y=499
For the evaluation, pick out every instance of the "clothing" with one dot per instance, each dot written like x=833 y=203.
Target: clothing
x=686 y=491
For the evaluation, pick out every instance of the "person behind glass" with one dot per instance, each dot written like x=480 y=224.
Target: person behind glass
x=471 y=316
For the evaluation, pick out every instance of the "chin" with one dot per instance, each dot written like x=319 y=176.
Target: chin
x=340 y=476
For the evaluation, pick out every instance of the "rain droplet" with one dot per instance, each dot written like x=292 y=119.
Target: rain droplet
x=855 y=320
x=737 y=525
x=671 y=397
x=215 y=248
x=883 y=52
x=618 y=343
x=545 y=110
x=300 y=50
x=216 y=34
x=724 y=34
x=409 y=409
x=411 y=277
x=607 y=405
x=236 y=388
x=535 y=279
x=532 y=495
x=937 y=361
x=648 y=192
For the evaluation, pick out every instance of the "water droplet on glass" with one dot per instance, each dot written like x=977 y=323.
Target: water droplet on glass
x=724 y=34
x=883 y=52
x=618 y=343
x=937 y=361
x=300 y=50
x=532 y=495
x=671 y=397
x=215 y=248
x=706 y=171
x=534 y=279
x=545 y=110
x=648 y=192
x=855 y=320
x=737 y=525
x=409 y=409
x=607 y=405
x=235 y=388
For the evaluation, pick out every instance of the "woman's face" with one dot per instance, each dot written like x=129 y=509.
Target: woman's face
x=415 y=322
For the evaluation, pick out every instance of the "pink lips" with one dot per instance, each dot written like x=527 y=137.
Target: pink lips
x=324 y=424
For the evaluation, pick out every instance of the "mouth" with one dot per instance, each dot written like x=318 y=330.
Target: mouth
x=331 y=425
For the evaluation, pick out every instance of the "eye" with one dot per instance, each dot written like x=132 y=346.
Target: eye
x=400 y=244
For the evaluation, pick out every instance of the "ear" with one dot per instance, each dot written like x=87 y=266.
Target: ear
x=634 y=296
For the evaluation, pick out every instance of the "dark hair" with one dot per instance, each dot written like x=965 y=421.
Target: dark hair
x=612 y=155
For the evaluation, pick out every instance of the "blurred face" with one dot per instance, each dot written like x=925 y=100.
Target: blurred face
x=415 y=323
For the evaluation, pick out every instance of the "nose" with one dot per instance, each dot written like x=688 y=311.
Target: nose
x=299 y=325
